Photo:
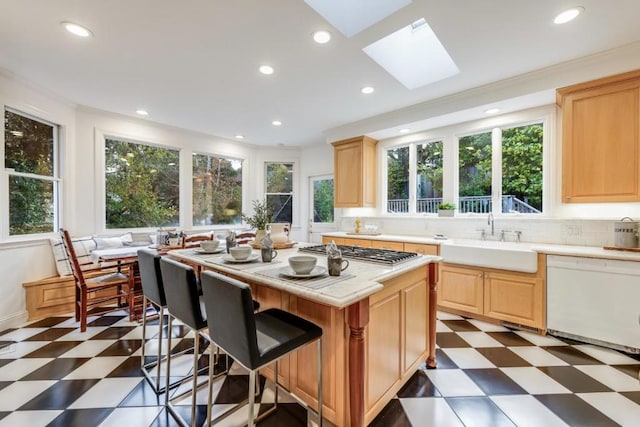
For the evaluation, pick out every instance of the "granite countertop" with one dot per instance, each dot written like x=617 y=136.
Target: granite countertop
x=546 y=248
x=364 y=277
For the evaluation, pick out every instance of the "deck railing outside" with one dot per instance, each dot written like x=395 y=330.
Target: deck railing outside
x=467 y=204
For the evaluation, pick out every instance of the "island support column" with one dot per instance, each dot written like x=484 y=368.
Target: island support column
x=358 y=318
x=433 y=301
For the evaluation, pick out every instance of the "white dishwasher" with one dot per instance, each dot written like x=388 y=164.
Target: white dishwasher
x=594 y=300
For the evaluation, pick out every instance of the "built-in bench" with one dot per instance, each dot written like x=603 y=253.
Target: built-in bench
x=54 y=295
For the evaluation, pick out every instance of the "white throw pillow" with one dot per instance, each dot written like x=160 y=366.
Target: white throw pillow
x=83 y=247
x=112 y=242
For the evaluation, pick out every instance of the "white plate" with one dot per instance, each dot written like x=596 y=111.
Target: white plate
x=317 y=271
x=229 y=258
x=215 y=251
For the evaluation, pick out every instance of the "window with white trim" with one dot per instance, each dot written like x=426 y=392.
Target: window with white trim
x=32 y=170
x=499 y=170
x=217 y=190
x=142 y=185
x=279 y=194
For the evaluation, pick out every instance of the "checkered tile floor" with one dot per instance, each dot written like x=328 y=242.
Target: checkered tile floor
x=51 y=374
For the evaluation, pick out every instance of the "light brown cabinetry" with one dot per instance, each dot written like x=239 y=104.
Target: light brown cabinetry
x=601 y=140
x=355 y=163
x=422 y=249
x=495 y=294
x=385 y=244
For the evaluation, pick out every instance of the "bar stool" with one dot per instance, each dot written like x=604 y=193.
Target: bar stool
x=254 y=340
x=153 y=292
x=184 y=304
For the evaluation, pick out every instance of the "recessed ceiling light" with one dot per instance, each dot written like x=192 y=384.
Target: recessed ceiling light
x=266 y=69
x=239 y=136
x=142 y=112
x=322 y=36
x=405 y=130
x=76 y=29
x=568 y=15
x=492 y=111
x=367 y=90
x=276 y=123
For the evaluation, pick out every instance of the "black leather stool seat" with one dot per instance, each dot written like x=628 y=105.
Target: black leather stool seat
x=280 y=332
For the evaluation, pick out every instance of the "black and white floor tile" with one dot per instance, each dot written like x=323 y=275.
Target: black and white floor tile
x=487 y=375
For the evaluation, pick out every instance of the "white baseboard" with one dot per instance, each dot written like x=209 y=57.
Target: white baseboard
x=13 y=320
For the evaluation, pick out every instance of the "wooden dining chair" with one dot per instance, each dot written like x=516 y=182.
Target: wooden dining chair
x=194 y=240
x=103 y=292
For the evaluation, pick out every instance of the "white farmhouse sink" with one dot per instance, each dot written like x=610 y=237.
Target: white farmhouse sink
x=491 y=254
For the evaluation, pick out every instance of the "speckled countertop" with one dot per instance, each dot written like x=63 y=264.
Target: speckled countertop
x=546 y=248
x=366 y=280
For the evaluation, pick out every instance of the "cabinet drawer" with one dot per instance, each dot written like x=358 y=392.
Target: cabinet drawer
x=384 y=244
x=422 y=248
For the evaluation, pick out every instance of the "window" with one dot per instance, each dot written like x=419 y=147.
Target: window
x=322 y=200
x=141 y=185
x=497 y=170
x=474 y=160
x=522 y=169
x=279 y=194
x=398 y=180
x=31 y=164
x=428 y=176
x=519 y=169
x=217 y=190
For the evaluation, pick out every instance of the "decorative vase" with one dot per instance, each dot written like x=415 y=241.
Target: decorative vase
x=446 y=212
x=260 y=235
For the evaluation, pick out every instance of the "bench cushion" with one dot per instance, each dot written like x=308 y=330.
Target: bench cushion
x=83 y=247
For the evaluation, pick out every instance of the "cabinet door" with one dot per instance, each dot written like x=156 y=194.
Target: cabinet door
x=384 y=244
x=601 y=141
x=461 y=288
x=517 y=298
x=422 y=249
x=355 y=162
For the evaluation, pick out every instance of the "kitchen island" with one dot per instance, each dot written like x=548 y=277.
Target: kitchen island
x=378 y=323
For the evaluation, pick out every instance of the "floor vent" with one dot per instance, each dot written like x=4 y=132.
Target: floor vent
x=519 y=326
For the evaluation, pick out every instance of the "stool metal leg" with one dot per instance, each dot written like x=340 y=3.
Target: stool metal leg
x=252 y=397
x=320 y=382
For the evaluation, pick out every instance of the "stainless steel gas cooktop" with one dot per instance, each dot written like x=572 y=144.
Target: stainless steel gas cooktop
x=378 y=256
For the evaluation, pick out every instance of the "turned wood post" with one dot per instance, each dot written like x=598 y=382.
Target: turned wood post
x=433 y=302
x=358 y=318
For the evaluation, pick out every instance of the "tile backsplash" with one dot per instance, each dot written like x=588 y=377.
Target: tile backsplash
x=583 y=232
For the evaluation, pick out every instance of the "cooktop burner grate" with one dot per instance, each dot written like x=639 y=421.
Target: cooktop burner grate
x=379 y=256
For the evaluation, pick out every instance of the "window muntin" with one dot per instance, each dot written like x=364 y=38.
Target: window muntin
x=30 y=158
x=142 y=187
x=428 y=176
x=279 y=194
x=398 y=180
x=522 y=169
x=474 y=169
x=217 y=190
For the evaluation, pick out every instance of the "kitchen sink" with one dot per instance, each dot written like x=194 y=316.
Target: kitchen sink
x=491 y=254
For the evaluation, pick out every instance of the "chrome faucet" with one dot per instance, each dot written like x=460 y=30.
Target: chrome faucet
x=490 y=222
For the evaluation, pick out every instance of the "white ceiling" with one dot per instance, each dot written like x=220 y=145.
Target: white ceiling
x=194 y=64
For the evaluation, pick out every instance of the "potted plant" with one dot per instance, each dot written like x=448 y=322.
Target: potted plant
x=260 y=218
x=446 y=209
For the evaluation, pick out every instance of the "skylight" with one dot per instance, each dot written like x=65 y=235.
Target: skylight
x=413 y=55
x=352 y=16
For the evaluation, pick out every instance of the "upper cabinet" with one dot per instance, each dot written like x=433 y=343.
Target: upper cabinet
x=601 y=140
x=355 y=163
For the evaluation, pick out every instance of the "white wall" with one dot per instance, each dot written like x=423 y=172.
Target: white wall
x=316 y=160
x=23 y=260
